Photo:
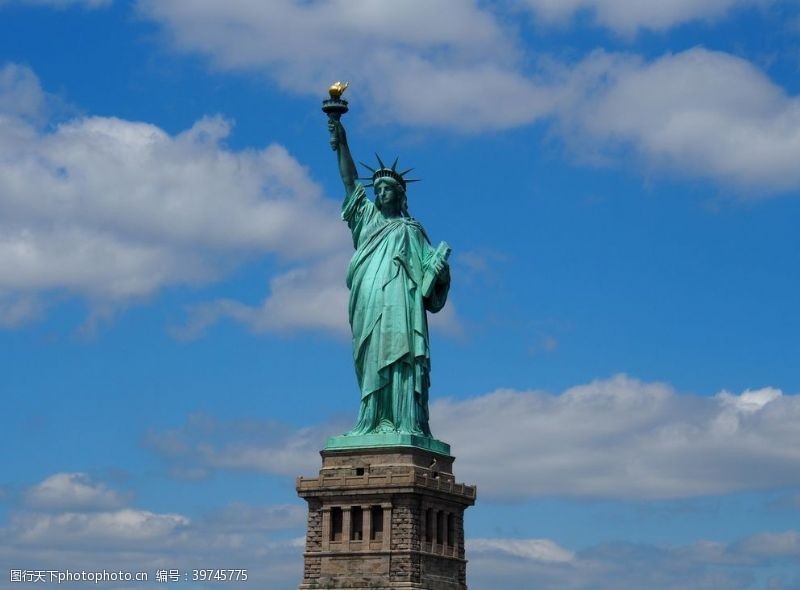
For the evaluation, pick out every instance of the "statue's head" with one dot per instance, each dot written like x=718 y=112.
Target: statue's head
x=390 y=197
x=390 y=187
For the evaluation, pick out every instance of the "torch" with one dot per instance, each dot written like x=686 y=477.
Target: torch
x=335 y=106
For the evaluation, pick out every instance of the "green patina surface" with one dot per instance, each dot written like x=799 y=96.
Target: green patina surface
x=395 y=278
x=389 y=439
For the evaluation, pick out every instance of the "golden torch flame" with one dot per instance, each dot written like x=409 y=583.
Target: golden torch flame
x=337 y=88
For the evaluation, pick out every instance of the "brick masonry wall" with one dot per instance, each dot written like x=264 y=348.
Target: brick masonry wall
x=312 y=565
x=441 y=573
x=405 y=538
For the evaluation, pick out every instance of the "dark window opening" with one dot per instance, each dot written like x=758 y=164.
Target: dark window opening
x=336 y=524
x=376 y=523
x=440 y=527
x=359 y=471
x=451 y=529
x=356 y=523
x=429 y=525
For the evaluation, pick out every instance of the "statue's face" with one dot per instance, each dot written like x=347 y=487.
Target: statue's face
x=388 y=197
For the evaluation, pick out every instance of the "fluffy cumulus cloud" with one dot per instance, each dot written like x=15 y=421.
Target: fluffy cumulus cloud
x=629 y=16
x=267 y=541
x=445 y=63
x=125 y=526
x=616 y=438
x=697 y=113
x=95 y=534
x=625 y=439
x=116 y=210
x=75 y=491
x=301 y=298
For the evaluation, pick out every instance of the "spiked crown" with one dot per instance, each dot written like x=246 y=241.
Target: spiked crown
x=385 y=172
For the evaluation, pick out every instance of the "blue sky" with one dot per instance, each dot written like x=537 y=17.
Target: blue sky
x=616 y=369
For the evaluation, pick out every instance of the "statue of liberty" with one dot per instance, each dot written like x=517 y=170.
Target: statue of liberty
x=395 y=276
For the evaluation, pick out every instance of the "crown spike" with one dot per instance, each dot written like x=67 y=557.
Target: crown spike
x=386 y=172
x=407 y=180
x=367 y=166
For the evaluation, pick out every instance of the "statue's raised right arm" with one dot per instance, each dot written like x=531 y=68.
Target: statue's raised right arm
x=347 y=167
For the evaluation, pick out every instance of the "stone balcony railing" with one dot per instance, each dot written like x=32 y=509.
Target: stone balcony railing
x=442 y=482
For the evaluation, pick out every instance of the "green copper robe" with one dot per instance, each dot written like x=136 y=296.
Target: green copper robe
x=387 y=316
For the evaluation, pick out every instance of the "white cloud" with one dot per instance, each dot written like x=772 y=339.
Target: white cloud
x=304 y=298
x=534 y=549
x=750 y=401
x=126 y=526
x=466 y=97
x=152 y=188
x=310 y=38
x=616 y=438
x=697 y=113
x=445 y=63
x=309 y=297
x=267 y=541
x=115 y=210
x=73 y=491
x=622 y=438
x=629 y=16
x=97 y=537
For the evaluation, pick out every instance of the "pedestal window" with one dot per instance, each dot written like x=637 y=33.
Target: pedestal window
x=376 y=523
x=356 y=523
x=336 y=524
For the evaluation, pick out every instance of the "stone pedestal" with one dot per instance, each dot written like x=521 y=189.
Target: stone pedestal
x=385 y=518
